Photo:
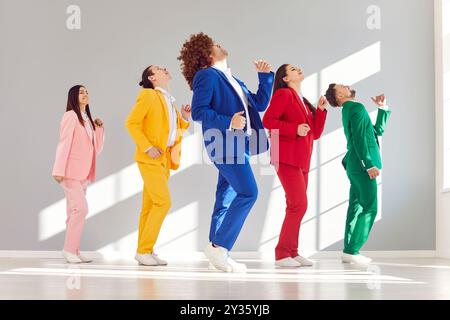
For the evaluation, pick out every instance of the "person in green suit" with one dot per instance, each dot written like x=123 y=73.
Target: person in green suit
x=362 y=163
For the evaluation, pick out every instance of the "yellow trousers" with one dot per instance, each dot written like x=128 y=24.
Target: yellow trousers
x=156 y=203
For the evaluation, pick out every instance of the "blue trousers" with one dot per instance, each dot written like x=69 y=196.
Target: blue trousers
x=235 y=196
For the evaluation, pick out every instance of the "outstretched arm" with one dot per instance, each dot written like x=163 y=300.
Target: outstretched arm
x=319 y=118
x=265 y=77
x=382 y=118
x=383 y=114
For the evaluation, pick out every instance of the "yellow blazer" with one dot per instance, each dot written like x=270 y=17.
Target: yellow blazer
x=148 y=125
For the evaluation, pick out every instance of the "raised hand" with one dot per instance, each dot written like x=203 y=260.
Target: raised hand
x=262 y=66
x=322 y=104
x=186 y=111
x=98 y=123
x=379 y=100
x=238 y=121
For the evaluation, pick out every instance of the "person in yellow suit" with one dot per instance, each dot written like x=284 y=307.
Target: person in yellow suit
x=156 y=127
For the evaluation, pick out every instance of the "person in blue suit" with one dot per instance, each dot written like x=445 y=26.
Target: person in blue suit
x=232 y=132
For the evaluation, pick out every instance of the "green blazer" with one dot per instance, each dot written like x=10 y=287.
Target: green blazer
x=363 y=151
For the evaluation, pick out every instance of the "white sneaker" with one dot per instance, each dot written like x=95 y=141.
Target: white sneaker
x=304 y=261
x=368 y=260
x=71 y=258
x=211 y=267
x=236 y=266
x=218 y=257
x=355 y=258
x=84 y=259
x=146 y=259
x=287 y=263
x=160 y=261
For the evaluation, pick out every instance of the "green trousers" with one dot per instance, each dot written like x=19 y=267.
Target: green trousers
x=362 y=210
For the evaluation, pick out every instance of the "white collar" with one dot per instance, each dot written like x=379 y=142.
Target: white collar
x=222 y=66
x=166 y=93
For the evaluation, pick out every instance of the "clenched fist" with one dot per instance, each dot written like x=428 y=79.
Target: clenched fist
x=322 y=104
x=98 y=123
x=238 y=121
x=302 y=129
x=186 y=111
x=154 y=152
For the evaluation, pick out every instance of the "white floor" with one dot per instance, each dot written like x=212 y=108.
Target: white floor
x=406 y=278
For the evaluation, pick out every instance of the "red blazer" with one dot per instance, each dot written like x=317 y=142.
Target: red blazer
x=282 y=118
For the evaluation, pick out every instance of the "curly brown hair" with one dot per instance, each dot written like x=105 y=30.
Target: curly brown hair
x=195 y=55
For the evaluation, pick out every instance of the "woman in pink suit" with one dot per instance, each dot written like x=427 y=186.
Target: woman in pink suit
x=81 y=140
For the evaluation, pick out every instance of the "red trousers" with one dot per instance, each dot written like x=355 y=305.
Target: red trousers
x=295 y=183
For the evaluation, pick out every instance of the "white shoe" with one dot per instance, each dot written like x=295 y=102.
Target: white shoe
x=160 y=261
x=218 y=257
x=287 y=263
x=84 y=259
x=71 y=258
x=146 y=259
x=236 y=266
x=304 y=261
x=211 y=267
x=368 y=260
x=355 y=258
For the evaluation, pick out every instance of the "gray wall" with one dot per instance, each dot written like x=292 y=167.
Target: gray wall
x=41 y=59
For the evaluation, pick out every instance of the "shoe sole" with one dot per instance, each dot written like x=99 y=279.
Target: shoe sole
x=148 y=265
x=290 y=267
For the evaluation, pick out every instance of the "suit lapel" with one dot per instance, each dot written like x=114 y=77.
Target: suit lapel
x=164 y=104
x=87 y=123
x=246 y=92
x=224 y=78
x=302 y=105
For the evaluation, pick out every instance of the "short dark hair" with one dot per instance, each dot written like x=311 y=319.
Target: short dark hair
x=145 y=82
x=331 y=95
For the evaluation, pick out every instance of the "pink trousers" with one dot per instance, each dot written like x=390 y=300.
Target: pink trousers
x=77 y=209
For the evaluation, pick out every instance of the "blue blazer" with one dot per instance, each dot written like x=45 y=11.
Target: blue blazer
x=214 y=103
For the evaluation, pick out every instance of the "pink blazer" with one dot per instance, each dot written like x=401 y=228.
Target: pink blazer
x=76 y=154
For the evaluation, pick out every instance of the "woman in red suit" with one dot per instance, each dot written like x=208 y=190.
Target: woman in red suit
x=293 y=124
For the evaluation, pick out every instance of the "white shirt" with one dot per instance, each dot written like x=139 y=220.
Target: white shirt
x=172 y=115
x=88 y=125
x=222 y=66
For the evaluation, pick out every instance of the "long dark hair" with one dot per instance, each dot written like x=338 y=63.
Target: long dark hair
x=279 y=83
x=145 y=82
x=73 y=103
